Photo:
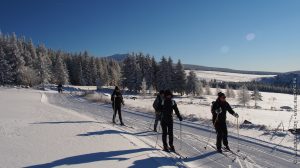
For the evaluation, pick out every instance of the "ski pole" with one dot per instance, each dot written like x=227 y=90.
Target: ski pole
x=238 y=132
x=180 y=135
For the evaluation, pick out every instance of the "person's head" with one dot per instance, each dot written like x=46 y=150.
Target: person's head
x=162 y=93
x=168 y=94
x=117 y=89
x=222 y=97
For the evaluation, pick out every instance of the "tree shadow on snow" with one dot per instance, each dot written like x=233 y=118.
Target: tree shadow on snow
x=66 y=122
x=92 y=157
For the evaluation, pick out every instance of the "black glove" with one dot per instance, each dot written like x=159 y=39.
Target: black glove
x=180 y=118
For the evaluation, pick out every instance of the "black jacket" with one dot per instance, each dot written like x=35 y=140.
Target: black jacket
x=117 y=99
x=219 y=110
x=166 y=107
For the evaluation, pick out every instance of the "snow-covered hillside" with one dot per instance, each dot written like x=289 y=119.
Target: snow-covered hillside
x=226 y=76
x=34 y=133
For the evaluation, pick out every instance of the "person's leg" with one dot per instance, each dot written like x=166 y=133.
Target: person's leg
x=164 y=134
x=219 y=136
x=170 y=133
x=225 y=135
x=115 y=113
x=120 y=115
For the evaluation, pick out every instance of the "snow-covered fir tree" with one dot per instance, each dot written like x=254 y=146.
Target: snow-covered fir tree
x=180 y=78
x=244 y=96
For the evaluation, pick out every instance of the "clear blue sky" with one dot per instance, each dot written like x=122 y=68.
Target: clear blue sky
x=239 y=34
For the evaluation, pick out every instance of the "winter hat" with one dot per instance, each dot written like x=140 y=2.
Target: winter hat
x=220 y=94
x=168 y=93
x=161 y=92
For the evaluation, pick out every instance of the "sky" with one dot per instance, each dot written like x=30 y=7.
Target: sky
x=260 y=35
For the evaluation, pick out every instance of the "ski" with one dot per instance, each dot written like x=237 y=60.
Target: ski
x=223 y=153
x=179 y=155
x=234 y=153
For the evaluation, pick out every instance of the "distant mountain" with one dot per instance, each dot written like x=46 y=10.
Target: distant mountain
x=118 y=57
x=205 y=68
x=121 y=57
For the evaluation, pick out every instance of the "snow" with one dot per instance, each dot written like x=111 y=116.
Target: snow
x=34 y=133
x=226 y=76
x=270 y=119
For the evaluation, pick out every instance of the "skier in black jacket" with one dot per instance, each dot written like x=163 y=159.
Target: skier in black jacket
x=167 y=106
x=117 y=101
x=156 y=104
x=218 y=110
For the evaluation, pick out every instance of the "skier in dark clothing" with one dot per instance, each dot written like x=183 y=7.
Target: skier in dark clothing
x=60 y=88
x=218 y=110
x=117 y=101
x=167 y=106
x=156 y=105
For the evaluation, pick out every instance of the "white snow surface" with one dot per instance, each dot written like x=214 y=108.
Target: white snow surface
x=226 y=76
x=34 y=133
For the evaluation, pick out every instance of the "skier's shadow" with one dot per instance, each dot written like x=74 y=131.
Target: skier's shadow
x=109 y=132
x=202 y=156
x=92 y=157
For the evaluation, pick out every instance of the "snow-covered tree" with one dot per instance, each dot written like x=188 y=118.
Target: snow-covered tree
x=244 y=96
x=192 y=83
x=218 y=89
x=42 y=65
x=6 y=76
x=144 y=87
x=256 y=96
x=60 y=70
x=180 y=78
x=207 y=90
x=199 y=88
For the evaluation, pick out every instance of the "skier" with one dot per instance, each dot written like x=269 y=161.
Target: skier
x=59 y=88
x=117 y=101
x=156 y=103
x=167 y=106
x=218 y=110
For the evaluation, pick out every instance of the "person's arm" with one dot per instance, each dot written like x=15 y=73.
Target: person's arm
x=175 y=108
x=113 y=97
x=231 y=111
x=122 y=99
x=155 y=104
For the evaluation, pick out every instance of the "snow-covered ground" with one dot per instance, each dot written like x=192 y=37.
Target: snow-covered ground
x=34 y=133
x=226 y=76
x=267 y=122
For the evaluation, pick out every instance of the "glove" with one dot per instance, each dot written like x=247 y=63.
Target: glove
x=180 y=118
x=236 y=115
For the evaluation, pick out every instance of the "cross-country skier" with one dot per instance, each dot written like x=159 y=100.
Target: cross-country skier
x=60 y=88
x=117 y=101
x=167 y=106
x=218 y=110
x=156 y=104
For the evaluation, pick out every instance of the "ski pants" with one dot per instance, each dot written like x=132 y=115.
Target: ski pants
x=117 y=109
x=167 y=129
x=222 y=134
x=157 y=118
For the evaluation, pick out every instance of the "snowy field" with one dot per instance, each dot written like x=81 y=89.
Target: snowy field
x=227 y=77
x=34 y=133
x=267 y=124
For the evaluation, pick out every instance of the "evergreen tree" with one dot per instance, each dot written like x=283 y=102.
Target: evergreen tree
x=180 y=78
x=256 y=96
x=207 y=89
x=42 y=65
x=6 y=77
x=60 y=70
x=192 y=84
x=244 y=96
